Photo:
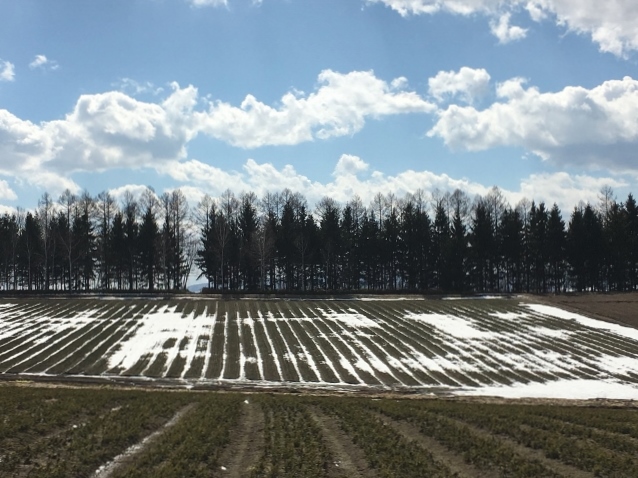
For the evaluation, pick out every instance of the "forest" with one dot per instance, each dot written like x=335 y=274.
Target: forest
x=423 y=242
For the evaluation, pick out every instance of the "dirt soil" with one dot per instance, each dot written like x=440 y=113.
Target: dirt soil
x=349 y=458
x=247 y=444
x=621 y=308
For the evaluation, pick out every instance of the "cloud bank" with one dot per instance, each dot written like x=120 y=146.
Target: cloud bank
x=596 y=127
x=610 y=24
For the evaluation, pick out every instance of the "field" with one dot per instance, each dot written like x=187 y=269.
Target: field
x=617 y=307
x=507 y=347
x=60 y=432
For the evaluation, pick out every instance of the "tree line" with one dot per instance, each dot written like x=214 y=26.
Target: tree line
x=419 y=243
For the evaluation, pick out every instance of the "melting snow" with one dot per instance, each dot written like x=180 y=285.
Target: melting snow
x=461 y=328
x=150 y=334
x=569 y=389
x=627 y=332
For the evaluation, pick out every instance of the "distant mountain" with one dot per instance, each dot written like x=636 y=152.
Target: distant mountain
x=197 y=288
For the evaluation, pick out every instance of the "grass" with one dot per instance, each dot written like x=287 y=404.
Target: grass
x=56 y=432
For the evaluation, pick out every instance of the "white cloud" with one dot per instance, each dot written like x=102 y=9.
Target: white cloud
x=42 y=62
x=351 y=176
x=595 y=127
x=349 y=165
x=338 y=107
x=565 y=190
x=610 y=24
x=7 y=71
x=459 y=7
x=505 y=32
x=6 y=192
x=209 y=3
x=113 y=130
x=136 y=88
x=468 y=84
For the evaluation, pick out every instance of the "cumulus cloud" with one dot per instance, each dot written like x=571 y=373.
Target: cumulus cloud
x=352 y=176
x=595 y=127
x=610 y=24
x=42 y=62
x=7 y=71
x=114 y=130
x=505 y=32
x=6 y=192
x=467 y=84
x=104 y=131
x=566 y=190
x=338 y=107
x=349 y=165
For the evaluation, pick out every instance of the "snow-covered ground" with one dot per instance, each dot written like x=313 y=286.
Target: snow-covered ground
x=471 y=347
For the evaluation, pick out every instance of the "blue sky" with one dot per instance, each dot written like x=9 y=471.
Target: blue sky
x=326 y=97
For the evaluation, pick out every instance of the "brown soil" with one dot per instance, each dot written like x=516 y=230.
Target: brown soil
x=612 y=307
x=127 y=458
x=453 y=461
x=349 y=459
x=247 y=444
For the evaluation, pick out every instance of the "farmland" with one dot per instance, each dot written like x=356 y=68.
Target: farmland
x=60 y=432
x=478 y=346
x=373 y=388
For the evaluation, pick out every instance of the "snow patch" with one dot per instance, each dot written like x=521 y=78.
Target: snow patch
x=578 y=389
x=627 y=332
x=458 y=327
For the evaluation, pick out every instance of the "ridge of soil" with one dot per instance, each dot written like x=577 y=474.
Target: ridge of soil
x=452 y=460
x=349 y=458
x=127 y=457
x=563 y=469
x=247 y=444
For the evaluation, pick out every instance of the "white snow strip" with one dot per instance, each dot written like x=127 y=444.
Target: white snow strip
x=450 y=325
x=305 y=354
x=225 y=352
x=621 y=330
x=317 y=343
x=351 y=318
x=73 y=351
x=191 y=332
x=107 y=469
x=566 y=389
x=61 y=326
x=288 y=355
x=372 y=358
x=242 y=355
x=209 y=347
x=153 y=329
x=191 y=348
x=275 y=357
x=360 y=362
x=260 y=362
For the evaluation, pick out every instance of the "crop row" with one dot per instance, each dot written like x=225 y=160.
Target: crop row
x=577 y=445
x=293 y=445
x=76 y=431
x=313 y=341
x=192 y=446
x=483 y=451
x=388 y=453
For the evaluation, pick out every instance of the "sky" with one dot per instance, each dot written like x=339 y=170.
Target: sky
x=324 y=97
